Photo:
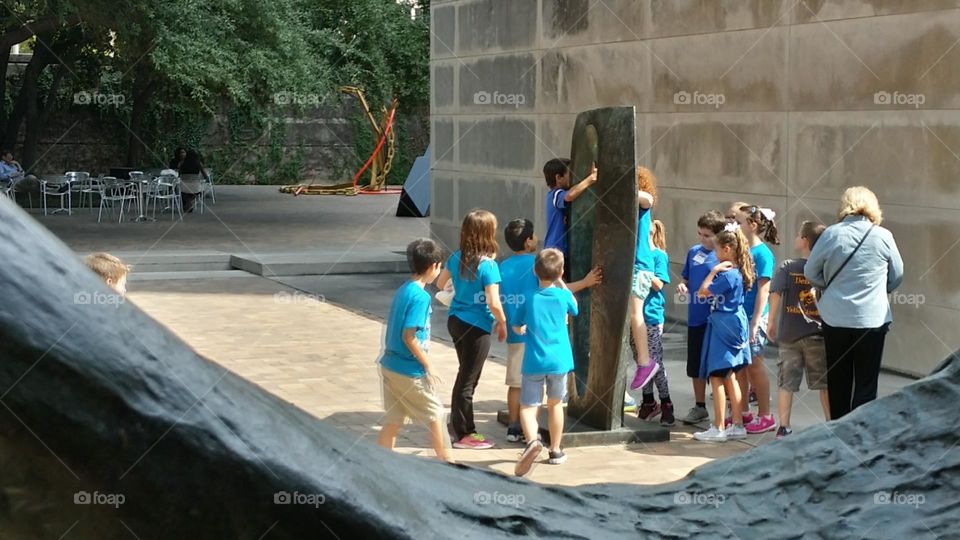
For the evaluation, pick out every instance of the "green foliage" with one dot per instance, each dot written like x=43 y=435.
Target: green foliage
x=213 y=71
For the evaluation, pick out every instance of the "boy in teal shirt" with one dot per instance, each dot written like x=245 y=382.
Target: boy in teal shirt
x=409 y=382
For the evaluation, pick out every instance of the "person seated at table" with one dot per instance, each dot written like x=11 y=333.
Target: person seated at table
x=10 y=170
x=178 y=156
x=191 y=174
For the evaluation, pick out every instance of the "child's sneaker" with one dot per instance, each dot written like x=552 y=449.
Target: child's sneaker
x=474 y=441
x=629 y=404
x=761 y=424
x=528 y=457
x=557 y=457
x=735 y=432
x=644 y=375
x=747 y=419
x=783 y=432
x=514 y=434
x=711 y=435
x=648 y=411
x=696 y=415
x=666 y=415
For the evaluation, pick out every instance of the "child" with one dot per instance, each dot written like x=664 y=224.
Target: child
x=110 y=269
x=642 y=279
x=653 y=316
x=758 y=226
x=475 y=311
x=409 y=381
x=700 y=260
x=547 y=358
x=798 y=332
x=726 y=348
x=556 y=172
x=518 y=277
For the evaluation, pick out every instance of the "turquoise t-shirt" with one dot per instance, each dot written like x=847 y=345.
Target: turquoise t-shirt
x=469 y=302
x=653 y=306
x=517 y=277
x=547 y=350
x=644 y=257
x=764 y=263
x=410 y=309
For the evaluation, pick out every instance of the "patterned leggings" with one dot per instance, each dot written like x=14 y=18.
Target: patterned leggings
x=655 y=346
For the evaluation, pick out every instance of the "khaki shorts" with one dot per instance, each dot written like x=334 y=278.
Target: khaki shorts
x=406 y=398
x=806 y=354
x=514 y=363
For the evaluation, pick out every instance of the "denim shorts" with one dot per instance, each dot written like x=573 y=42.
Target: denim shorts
x=642 y=281
x=531 y=388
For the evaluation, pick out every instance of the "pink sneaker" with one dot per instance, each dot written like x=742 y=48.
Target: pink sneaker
x=747 y=419
x=474 y=441
x=644 y=375
x=761 y=425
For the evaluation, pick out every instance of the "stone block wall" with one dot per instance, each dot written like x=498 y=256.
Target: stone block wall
x=779 y=102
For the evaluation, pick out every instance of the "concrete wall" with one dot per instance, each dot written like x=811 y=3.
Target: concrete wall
x=770 y=101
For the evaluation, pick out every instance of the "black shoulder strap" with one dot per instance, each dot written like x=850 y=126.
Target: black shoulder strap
x=852 y=253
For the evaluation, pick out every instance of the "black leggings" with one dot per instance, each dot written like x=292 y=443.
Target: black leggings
x=853 y=366
x=473 y=345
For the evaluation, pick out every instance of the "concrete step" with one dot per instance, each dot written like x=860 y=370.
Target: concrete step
x=318 y=263
x=209 y=274
x=174 y=261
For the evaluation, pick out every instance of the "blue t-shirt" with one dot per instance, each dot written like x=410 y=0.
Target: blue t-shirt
x=700 y=261
x=547 y=350
x=726 y=291
x=653 y=312
x=410 y=309
x=517 y=277
x=764 y=263
x=644 y=256
x=557 y=210
x=469 y=302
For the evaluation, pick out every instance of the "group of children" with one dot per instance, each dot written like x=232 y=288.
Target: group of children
x=526 y=301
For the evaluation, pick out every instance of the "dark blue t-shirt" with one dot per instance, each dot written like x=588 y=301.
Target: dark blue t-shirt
x=516 y=273
x=700 y=261
x=726 y=291
x=410 y=309
x=557 y=210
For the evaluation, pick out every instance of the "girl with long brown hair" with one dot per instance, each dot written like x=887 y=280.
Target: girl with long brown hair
x=642 y=278
x=726 y=349
x=475 y=311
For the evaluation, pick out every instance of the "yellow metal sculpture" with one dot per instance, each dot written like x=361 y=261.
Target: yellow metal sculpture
x=379 y=162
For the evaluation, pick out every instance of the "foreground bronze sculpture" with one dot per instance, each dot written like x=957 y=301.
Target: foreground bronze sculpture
x=97 y=400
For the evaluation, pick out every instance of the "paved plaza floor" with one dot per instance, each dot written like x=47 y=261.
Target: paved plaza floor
x=314 y=340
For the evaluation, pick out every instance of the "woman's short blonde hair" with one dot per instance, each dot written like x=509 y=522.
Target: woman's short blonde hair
x=860 y=201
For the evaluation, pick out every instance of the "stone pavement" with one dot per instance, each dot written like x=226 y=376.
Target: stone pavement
x=321 y=357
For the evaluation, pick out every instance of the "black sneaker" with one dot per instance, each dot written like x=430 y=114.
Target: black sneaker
x=666 y=414
x=528 y=457
x=514 y=434
x=783 y=432
x=557 y=457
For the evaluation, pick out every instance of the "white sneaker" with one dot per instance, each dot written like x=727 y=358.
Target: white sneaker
x=712 y=435
x=735 y=432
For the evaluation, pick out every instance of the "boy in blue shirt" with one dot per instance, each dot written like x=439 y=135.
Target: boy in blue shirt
x=700 y=261
x=517 y=278
x=547 y=356
x=409 y=382
x=556 y=172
